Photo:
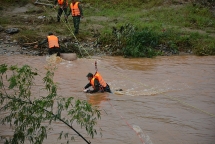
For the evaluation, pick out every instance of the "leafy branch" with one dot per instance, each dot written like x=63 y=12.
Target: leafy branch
x=26 y=114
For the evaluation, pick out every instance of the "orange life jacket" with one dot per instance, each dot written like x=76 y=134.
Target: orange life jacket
x=61 y=2
x=53 y=41
x=100 y=79
x=74 y=9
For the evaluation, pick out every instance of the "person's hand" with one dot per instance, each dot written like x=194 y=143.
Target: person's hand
x=86 y=90
x=36 y=46
x=89 y=91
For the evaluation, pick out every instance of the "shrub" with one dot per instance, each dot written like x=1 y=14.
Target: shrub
x=204 y=47
x=141 y=44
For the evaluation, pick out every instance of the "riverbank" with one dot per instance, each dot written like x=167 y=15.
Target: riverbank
x=168 y=28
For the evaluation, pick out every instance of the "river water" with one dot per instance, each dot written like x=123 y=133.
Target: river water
x=165 y=100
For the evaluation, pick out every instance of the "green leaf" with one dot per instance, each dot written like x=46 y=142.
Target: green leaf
x=60 y=135
x=30 y=131
x=66 y=135
x=13 y=82
x=3 y=68
x=13 y=67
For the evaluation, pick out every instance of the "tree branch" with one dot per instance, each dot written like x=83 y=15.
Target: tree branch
x=20 y=100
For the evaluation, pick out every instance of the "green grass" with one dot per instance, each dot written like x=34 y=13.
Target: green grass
x=180 y=27
x=4 y=21
x=26 y=36
x=20 y=2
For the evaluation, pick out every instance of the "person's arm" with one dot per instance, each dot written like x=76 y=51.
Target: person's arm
x=96 y=86
x=41 y=43
x=55 y=2
x=87 y=86
x=69 y=11
x=65 y=5
x=44 y=41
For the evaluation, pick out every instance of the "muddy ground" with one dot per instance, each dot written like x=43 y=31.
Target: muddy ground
x=31 y=17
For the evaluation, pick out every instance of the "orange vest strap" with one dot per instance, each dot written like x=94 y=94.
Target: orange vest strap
x=92 y=82
x=100 y=79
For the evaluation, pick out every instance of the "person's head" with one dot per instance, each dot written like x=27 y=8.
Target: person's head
x=89 y=76
x=50 y=33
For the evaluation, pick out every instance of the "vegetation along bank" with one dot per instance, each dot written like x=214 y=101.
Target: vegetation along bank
x=138 y=28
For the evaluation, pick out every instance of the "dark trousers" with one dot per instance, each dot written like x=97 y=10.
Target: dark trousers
x=60 y=11
x=76 y=22
x=53 y=51
x=107 y=89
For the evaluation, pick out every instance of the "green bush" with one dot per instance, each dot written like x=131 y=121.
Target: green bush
x=204 y=47
x=142 y=44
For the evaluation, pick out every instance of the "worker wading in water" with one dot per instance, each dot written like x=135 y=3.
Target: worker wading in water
x=98 y=84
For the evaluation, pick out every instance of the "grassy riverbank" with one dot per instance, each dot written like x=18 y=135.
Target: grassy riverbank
x=133 y=29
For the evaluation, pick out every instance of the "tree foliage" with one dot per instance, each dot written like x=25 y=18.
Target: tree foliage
x=26 y=113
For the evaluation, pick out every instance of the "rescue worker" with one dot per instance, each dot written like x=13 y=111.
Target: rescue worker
x=63 y=5
x=77 y=13
x=53 y=44
x=97 y=82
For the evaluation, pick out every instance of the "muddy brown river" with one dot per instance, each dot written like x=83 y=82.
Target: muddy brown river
x=165 y=100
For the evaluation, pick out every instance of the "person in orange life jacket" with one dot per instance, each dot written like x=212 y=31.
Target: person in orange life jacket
x=53 y=44
x=63 y=5
x=97 y=82
x=77 y=13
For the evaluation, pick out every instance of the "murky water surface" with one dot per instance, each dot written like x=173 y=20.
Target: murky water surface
x=165 y=100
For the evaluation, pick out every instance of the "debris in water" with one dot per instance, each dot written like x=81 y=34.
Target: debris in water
x=54 y=59
x=141 y=135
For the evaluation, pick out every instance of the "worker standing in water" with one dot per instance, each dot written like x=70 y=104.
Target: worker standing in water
x=53 y=44
x=98 y=84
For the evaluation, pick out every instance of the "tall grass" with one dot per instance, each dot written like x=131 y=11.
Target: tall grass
x=150 y=42
x=142 y=43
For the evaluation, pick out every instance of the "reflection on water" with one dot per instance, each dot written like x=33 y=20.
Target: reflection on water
x=97 y=98
x=166 y=100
